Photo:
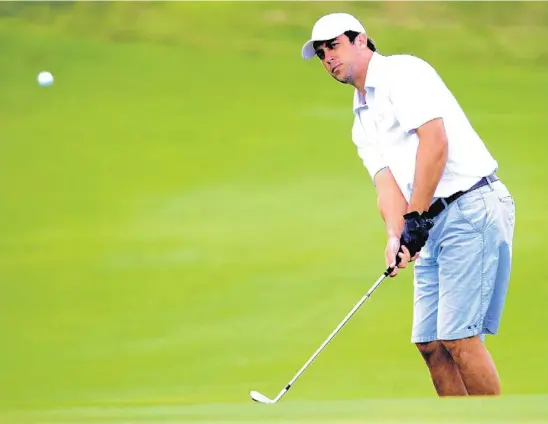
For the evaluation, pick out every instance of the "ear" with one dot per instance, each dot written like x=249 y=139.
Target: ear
x=361 y=41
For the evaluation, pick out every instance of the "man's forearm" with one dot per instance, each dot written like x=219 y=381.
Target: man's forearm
x=391 y=202
x=430 y=163
x=392 y=206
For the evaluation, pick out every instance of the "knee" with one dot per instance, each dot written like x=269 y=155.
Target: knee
x=458 y=348
x=451 y=345
x=429 y=349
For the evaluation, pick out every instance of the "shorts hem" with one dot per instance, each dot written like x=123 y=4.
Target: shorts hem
x=424 y=339
x=464 y=334
x=454 y=336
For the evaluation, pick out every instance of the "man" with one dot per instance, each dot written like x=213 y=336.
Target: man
x=438 y=195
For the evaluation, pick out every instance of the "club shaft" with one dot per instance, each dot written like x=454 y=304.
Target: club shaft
x=336 y=330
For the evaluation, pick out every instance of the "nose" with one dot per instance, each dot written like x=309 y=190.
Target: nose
x=329 y=57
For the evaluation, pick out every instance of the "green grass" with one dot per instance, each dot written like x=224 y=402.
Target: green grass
x=185 y=219
x=512 y=409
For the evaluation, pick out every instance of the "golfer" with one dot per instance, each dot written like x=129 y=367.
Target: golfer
x=439 y=196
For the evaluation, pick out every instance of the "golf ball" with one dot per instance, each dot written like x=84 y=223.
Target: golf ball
x=45 y=79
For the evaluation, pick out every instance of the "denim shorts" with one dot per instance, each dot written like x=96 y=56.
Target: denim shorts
x=463 y=272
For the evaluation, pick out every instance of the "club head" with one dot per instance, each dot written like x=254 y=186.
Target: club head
x=257 y=397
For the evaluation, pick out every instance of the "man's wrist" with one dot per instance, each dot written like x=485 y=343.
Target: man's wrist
x=395 y=231
x=416 y=208
x=411 y=215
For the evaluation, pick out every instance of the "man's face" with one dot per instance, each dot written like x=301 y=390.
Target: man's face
x=338 y=57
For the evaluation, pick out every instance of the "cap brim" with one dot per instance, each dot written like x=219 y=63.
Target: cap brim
x=308 y=51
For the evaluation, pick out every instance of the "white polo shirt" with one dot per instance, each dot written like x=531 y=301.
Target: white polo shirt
x=402 y=93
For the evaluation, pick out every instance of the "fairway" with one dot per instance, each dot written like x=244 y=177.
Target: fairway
x=518 y=409
x=185 y=218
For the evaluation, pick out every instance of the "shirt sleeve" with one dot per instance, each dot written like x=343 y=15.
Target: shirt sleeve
x=368 y=152
x=416 y=93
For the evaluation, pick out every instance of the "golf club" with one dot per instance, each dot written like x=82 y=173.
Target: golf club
x=258 y=397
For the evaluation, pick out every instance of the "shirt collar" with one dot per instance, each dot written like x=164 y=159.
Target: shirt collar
x=375 y=70
x=372 y=78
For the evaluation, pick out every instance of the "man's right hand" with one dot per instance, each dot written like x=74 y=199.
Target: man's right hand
x=394 y=250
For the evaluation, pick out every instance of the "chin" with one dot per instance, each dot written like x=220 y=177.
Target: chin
x=343 y=79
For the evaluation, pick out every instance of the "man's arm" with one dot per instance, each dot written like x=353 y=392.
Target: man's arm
x=391 y=202
x=392 y=206
x=419 y=96
x=430 y=163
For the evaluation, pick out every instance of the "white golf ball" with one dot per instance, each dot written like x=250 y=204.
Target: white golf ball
x=45 y=79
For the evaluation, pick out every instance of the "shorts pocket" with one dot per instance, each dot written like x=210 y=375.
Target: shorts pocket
x=472 y=209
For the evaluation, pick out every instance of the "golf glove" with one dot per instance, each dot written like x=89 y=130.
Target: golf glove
x=415 y=231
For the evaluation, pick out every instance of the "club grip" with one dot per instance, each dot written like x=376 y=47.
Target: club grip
x=390 y=268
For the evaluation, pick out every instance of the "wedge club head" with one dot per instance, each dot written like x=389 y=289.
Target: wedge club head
x=258 y=397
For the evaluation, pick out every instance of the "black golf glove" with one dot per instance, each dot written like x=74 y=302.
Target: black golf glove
x=415 y=232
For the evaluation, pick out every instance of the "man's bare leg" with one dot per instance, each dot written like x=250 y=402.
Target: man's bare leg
x=476 y=365
x=444 y=371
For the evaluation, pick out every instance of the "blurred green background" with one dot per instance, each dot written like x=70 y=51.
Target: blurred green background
x=185 y=218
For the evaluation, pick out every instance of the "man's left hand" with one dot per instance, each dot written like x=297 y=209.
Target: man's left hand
x=415 y=232
x=413 y=238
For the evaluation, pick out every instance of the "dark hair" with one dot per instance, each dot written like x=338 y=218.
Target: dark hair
x=351 y=37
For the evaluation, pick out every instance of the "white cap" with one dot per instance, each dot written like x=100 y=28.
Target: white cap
x=329 y=27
